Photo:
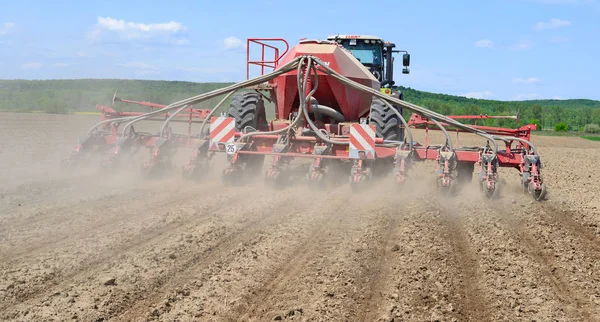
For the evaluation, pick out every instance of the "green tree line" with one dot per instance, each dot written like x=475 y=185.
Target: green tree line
x=575 y=113
x=69 y=96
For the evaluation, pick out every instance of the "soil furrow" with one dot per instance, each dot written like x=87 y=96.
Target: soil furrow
x=258 y=303
x=409 y=267
x=62 y=213
x=549 y=235
x=559 y=291
x=252 y=220
x=471 y=299
x=216 y=290
x=376 y=261
x=65 y=273
x=566 y=219
x=52 y=235
x=301 y=284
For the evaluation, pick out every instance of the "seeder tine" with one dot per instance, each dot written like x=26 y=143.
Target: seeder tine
x=541 y=193
x=402 y=164
x=198 y=165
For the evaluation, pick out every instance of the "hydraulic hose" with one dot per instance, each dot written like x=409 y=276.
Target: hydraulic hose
x=309 y=62
x=117 y=120
x=309 y=121
x=301 y=85
x=202 y=97
x=426 y=112
x=213 y=111
x=166 y=122
x=448 y=138
x=326 y=110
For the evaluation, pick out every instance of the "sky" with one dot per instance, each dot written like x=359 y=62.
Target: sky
x=493 y=49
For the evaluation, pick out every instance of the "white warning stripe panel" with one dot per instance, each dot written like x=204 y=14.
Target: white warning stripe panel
x=226 y=134
x=362 y=139
x=222 y=130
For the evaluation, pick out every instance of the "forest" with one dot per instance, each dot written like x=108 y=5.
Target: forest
x=69 y=96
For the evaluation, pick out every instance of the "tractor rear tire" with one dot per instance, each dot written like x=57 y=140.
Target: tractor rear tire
x=248 y=109
x=387 y=123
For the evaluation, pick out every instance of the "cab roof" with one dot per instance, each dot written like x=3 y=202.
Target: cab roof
x=353 y=37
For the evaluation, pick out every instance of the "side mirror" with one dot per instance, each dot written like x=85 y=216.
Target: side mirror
x=405 y=70
x=406 y=60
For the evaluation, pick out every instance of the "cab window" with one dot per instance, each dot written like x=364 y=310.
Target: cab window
x=366 y=53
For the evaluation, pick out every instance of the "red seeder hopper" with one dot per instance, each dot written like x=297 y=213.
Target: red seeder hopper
x=337 y=107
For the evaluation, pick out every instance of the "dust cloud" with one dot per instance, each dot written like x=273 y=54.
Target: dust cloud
x=108 y=245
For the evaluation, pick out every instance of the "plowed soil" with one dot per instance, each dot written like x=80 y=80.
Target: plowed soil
x=112 y=246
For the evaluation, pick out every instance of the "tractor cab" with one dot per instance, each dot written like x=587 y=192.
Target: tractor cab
x=366 y=49
x=375 y=54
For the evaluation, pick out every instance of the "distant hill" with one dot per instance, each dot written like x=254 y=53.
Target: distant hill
x=68 y=96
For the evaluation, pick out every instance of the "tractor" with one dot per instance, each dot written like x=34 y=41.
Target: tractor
x=377 y=55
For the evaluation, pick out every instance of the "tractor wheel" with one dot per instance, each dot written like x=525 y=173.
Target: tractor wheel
x=248 y=109
x=387 y=123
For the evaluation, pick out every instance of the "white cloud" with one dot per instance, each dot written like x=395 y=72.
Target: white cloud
x=523 y=97
x=556 y=97
x=130 y=30
x=7 y=28
x=479 y=95
x=122 y=25
x=233 y=43
x=31 y=66
x=484 y=43
x=529 y=80
x=552 y=24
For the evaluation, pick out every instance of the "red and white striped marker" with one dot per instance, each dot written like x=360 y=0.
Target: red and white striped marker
x=222 y=130
x=362 y=141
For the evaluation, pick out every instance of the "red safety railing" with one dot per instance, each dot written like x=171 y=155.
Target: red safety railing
x=264 y=47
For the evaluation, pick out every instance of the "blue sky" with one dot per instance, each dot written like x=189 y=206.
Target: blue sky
x=496 y=49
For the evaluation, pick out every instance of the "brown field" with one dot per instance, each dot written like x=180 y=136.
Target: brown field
x=113 y=246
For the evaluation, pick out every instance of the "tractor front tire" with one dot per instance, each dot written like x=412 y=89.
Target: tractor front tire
x=387 y=123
